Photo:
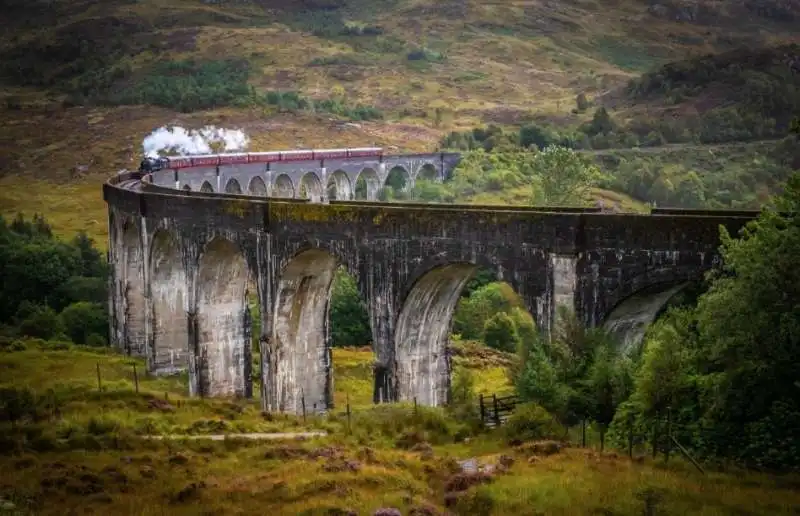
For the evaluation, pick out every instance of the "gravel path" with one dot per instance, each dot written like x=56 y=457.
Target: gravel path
x=254 y=436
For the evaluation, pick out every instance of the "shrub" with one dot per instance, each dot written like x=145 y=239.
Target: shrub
x=531 y=422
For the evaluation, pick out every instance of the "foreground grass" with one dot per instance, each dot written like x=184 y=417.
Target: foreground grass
x=86 y=457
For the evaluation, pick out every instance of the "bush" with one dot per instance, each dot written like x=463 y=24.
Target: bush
x=83 y=320
x=530 y=422
x=43 y=323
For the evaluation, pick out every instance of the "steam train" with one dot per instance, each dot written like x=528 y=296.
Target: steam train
x=149 y=165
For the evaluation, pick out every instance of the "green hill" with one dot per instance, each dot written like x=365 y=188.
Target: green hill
x=100 y=76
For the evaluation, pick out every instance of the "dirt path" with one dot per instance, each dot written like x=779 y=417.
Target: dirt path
x=253 y=436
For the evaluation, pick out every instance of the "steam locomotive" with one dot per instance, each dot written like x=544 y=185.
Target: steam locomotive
x=149 y=165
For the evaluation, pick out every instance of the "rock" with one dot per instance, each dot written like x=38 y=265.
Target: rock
x=463 y=481
x=388 y=512
x=506 y=461
x=162 y=405
x=422 y=510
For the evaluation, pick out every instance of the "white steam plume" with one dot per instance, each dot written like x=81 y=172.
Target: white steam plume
x=208 y=140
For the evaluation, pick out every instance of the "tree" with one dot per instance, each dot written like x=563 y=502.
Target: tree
x=607 y=385
x=500 y=333
x=348 y=316
x=84 y=319
x=749 y=326
x=565 y=176
x=473 y=312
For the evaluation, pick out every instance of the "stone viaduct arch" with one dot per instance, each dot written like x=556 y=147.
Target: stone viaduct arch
x=410 y=263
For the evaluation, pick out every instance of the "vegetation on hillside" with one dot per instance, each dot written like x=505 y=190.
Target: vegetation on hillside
x=51 y=289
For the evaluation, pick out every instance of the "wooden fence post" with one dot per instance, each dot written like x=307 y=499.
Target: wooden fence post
x=583 y=432
x=303 y=403
x=135 y=379
x=630 y=437
x=415 y=406
x=99 y=381
x=349 y=428
x=669 y=436
x=483 y=409
x=496 y=413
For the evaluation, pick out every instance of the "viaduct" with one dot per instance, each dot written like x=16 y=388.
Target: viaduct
x=187 y=248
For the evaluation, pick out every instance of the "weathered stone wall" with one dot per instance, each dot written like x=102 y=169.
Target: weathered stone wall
x=410 y=263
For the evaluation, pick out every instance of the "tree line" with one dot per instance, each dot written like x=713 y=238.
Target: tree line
x=51 y=289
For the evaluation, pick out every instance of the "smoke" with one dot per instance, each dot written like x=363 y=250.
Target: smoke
x=179 y=141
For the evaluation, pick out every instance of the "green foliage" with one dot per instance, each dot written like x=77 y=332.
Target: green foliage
x=42 y=275
x=83 y=320
x=500 y=332
x=348 y=316
x=564 y=177
x=576 y=375
x=473 y=311
x=189 y=85
x=531 y=422
x=759 y=82
x=43 y=323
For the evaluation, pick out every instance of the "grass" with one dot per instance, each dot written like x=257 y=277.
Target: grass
x=377 y=463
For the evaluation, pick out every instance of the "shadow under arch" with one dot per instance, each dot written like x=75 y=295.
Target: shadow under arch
x=628 y=320
x=422 y=332
x=301 y=364
x=206 y=187
x=367 y=185
x=339 y=187
x=233 y=186
x=223 y=354
x=257 y=187
x=284 y=188
x=133 y=289
x=398 y=181
x=170 y=301
x=428 y=172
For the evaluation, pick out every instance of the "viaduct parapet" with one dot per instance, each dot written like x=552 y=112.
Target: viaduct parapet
x=185 y=262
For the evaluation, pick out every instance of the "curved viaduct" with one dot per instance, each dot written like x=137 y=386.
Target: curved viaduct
x=183 y=262
x=316 y=180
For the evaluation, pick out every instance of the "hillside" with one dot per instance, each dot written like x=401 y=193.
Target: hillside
x=406 y=72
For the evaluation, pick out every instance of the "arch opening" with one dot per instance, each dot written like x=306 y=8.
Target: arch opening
x=479 y=310
x=206 y=187
x=367 y=186
x=187 y=188
x=233 y=186
x=257 y=187
x=284 y=188
x=223 y=347
x=301 y=333
x=351 y=341
x=397 y=185
x=428 y=172
x=311 y=187
x=339 y=188
x=628 y=321
x=168 y=290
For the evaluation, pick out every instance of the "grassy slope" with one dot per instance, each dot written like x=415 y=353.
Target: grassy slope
x=310 y=478
x=504 y=62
